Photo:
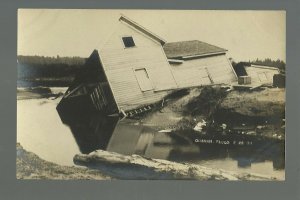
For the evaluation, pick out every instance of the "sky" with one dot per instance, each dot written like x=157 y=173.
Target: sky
x=247 y=35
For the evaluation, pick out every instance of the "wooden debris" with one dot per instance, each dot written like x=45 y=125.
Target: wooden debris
x=138 y=167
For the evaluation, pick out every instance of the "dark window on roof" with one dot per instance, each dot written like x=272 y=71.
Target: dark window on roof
x=128 y=42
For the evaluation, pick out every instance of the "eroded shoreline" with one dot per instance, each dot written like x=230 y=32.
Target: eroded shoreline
x=177 y=119
x=103 y=165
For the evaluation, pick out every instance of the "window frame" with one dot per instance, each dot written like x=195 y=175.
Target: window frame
x=126 y=36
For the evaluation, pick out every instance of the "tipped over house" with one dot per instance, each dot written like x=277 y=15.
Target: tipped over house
x=196 y=63
x=261 y=74
x=255 y=74
x=135 y=68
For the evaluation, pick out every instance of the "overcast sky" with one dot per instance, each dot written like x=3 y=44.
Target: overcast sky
x=246 y=35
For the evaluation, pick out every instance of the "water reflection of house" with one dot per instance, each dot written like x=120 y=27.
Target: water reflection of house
x=130 y=139
x=135 y=68
x=92 y=132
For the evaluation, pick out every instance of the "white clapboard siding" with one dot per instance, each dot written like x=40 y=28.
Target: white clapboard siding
x=191 y=77
x=204 y=71
x=261 y=75
x=120 y=64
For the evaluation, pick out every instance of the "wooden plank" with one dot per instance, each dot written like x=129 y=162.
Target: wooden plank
x=74 y=90
x=143 y=79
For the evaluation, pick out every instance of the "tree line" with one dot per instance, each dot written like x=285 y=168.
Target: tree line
x=272 y=63
x=41 y=66
x=239 y=67
x=45 y=60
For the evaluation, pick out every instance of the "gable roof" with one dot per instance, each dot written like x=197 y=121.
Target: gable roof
x=142 y=29
x=190 y=49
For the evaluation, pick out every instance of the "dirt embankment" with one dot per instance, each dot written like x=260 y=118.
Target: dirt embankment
x=103 y=165
x=30 y=166
x=172 y=112
x=220 y=105
x=269 y=102
x=180 y=112
x=185 y=108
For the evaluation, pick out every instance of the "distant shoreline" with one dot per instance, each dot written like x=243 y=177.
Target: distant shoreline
x=45 y=82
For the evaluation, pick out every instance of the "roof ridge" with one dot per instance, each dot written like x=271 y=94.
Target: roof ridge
x=141 y=28
x=182 y=41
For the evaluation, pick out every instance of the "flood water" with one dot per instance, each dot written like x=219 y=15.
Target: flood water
x=57 y=138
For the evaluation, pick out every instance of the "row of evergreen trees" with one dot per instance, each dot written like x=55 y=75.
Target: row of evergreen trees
x=30 y=67
x=45 y=60
x=239 y=67
x=280 y=64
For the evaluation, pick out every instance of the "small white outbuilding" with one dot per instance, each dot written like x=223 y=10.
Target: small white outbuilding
x=261 y=74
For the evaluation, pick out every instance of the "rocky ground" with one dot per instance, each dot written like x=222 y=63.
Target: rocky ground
x=264 y=109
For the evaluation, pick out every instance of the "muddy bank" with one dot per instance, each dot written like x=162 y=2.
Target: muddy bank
x=175 y=114
x=266 y=105
x=220 y=107
x=30 y=166
x=138 y=167
x=172 y=112
x=103 y=165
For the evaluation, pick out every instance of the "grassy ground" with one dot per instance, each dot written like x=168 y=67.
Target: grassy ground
x=268 y=102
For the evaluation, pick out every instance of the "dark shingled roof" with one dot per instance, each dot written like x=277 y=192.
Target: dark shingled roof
x=190 y=48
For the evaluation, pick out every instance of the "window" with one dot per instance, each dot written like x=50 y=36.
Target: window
x=128 y=42
x=143 y=79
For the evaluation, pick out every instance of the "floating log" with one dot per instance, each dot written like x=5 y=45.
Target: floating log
x=137 y=167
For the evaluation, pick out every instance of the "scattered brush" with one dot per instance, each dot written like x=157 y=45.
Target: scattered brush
x=206 y=103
